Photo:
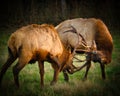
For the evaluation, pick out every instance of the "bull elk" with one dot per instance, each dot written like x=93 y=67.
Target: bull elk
x=98 y=40
x=36 y=43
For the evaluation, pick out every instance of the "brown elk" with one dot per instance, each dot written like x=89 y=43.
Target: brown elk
x=36 y=43
x=96 y=36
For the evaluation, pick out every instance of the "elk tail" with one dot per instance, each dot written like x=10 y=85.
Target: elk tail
x=8 y=63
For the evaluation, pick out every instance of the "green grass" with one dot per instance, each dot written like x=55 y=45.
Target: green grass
x=30 y=80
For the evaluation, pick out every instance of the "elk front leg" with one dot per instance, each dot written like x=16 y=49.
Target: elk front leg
x=88 y=63
x=56 y=73
x=41 y=69
x=66 y=77
x=103 y=70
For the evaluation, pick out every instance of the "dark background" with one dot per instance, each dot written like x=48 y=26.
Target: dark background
x=17 y=13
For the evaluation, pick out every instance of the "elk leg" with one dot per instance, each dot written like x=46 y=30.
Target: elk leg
x=23 y=60
x=41 y=70
x=56 y=73
x=16 y=69
x=70 y=70
x=4 y=68
x=88 y=63
x=66 y=77
x=103 y=70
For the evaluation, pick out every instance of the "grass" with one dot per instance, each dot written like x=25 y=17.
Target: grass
x=30 y=80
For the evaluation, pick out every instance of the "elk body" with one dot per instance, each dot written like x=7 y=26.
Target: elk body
x=36 y=43
x=96 y=36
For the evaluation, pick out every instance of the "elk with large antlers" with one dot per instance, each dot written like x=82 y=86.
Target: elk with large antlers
x=96 y=36
x=37 y=43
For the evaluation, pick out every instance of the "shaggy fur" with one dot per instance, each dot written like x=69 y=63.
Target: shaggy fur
x=36 y=43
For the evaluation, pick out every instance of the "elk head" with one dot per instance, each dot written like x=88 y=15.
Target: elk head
x=95 y=55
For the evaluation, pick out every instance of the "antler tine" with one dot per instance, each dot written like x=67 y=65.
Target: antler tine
x=71 y=30
x=94 y=45
x=83 y=42
x=79 y=59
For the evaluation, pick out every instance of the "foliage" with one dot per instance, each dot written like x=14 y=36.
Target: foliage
x=23 y=12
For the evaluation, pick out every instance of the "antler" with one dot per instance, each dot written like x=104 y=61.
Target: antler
x=79 y=35
x=81 y=41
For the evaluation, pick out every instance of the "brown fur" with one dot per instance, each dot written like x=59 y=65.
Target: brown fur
x=104 y=40
x=36 y=43
x=91 y=29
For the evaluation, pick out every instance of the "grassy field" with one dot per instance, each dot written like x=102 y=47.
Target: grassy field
x=30 y=80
